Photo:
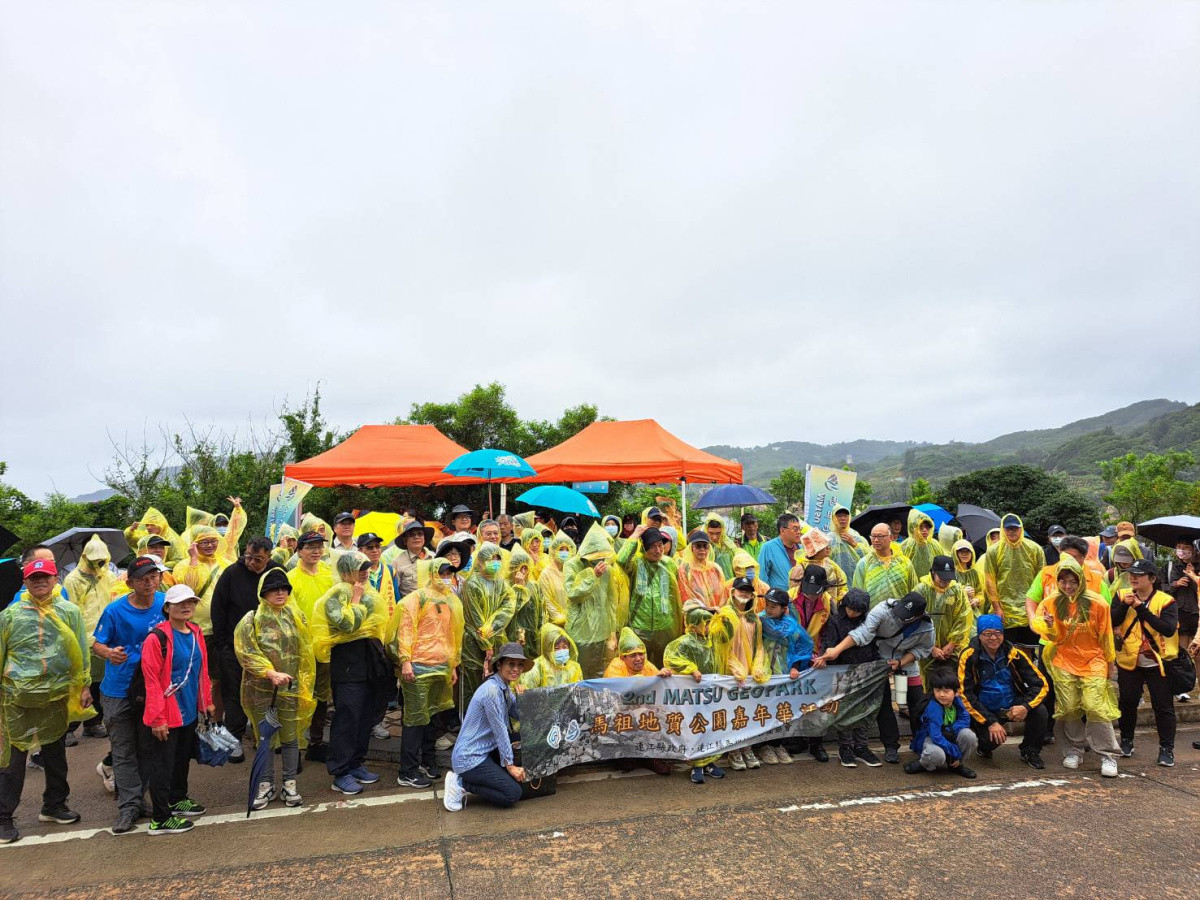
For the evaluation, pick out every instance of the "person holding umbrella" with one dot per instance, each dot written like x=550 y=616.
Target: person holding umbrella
x=751 y=541
x=274 y=648
x=462 y=518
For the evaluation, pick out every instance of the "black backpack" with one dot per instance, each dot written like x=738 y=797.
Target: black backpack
x=137 y=685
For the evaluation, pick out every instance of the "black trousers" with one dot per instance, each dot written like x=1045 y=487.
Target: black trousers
x=889 y=728
x=1129 y=692
x=230 y=684
x=12 y=779
x=416 y=748
x=356 y=710
x=167 y=765
x=1036 y=722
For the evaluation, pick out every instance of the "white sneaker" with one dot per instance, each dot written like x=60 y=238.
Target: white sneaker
x=782 y=756
x=767 y=753
x=1108 y=767
x=380 y=732
x=452 y=792
x=291 y=796
x=751 y=760
x=106 y=775
x=736 y=761
x=1072 y=761
x=266 y=793
x=1183 y=698
x=445 y=742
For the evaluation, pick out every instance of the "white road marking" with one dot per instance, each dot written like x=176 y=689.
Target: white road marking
x=926 y=795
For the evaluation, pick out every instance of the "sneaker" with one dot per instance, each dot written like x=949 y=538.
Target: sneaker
x=35 y=760
x=767 y=754
x=1071 y=761
x=126 y=821
x=1048 y=741
x=238 y=755
x=380 y=732
x=445 y=742
x=781 y=754
x=106 y=776
x=1166 y=756
x=891 y=755
x=1183 y=698
x=432 y=771
x=95 y=729
x=697 y=775
x=752 y=761
x=60 y=815
x=1108 y=767
x=173 y=825
x=868 y=758
x=964 y=771
x=346 y=784
x=736 y=761
x=362 y=776
x=9 y=833
x=1126 y=747
x=417 y=779
x=266 y=793
x=71 y=739
x=452 y=792
x=846 y=757
x=819 y=753
x=291 y=796
x=714 y=771
x=914 y=767
x=1033 y=759
x=188 y=808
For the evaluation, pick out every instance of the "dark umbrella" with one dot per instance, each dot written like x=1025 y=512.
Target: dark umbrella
x=727 y=496
x=975 y=521
x=262 y=756
x=68 y=546
x=1169 y=529
x=10 y=580
x=873 y=515
x=7 y=538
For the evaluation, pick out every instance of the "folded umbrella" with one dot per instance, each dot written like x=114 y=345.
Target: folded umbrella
x=727 y=496
x=561 y=499
x=262 y=755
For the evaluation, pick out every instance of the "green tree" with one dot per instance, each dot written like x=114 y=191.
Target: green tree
x=920 y=492
x=1143 y=487
x=1039 y=498
x=862 y=495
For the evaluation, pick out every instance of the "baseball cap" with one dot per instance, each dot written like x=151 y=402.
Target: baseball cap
x=778 y=596
x=652 y=536
x=39 y=567
x=144 y=565
x=343 y=517
x=1057 y=529
x=654 y=513
x=743 y=583
x=698 y=537
x=1110 y=531
x=910 y=608
x=1126 y=529
x=943 y=567
x=1143 y=567
x=369 y=538
x=1010 y=521
x=310 y=537
x=1122 y=554
x=179 y=593
x=157 y=540
x=815 y=580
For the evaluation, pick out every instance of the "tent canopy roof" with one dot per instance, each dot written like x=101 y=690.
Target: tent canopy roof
x=383 y=456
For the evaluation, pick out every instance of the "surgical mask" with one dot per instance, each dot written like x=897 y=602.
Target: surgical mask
x=561 y=656
x=612 y=530
x=751 y=572
x=493 y=566
x=222 y=529
x=564 y=554
x=1056 y=540
x=447 y=579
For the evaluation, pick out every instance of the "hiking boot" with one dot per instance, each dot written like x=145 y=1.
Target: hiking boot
x=914 y=767
x=752 y=761
x=1126 y=747
x=173 y=825
x=291 y=796
x=782 y=756
x=9 y=833
x=846 y=757
x=964 y=771
x=1108 y=767
x=413 y=780
x=767 y=754
x=819 y=753
x=59 y=815
x=1166 y=756
x=867 y=757
x=362 y=776
x=891 y=755
x=188 y=808
x=106 y=776
x=126 y=821
x=735 y=760
x=1033 y=759
x=266 y=793
x=346 y=784
x=714 y=771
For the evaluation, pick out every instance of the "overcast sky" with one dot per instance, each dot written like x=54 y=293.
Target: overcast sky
x=806 y=221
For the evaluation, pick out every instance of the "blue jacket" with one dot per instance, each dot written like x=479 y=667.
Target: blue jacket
x=788 y=645
x=774 y=565
x=932 y=727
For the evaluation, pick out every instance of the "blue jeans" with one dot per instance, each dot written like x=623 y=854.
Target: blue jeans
x=491 y=781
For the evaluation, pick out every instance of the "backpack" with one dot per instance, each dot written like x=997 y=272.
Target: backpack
x=137 y=684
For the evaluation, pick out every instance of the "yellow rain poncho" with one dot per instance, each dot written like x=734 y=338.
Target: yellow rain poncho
x=1120 y=581
x=531 y=540
x=723 y=548
x=42 y=671
x=91 y=586
x=970 y=576
x=846 y=545
x=527 y=619
x=546 y=672
x=521 y=521
x=176 y=552
x=488 y=607
x=884 y=579
x=202 y=577
x=227 y=550
x=308 y=589
x=694 y=651
x=627 y=645
x=920 y=550
x=426 y=631
x=950 y=612
x=654 y=604
x=743 y=562
x=593 y=601
x=279 y=640
x=552 y=581
x=704 y=582
x=281 y=554
x=1009 y=569
x=338 y=620
x=949 y=535
x=742 y=655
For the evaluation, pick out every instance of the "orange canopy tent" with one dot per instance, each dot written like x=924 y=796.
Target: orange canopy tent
x=383 y=456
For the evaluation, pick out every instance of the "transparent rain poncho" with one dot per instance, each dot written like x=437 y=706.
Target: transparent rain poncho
x=488 y=607
x=202 y=577
x=527 y=597
x=884 y=579
x=270 y=639
x=920 y=550
x=969 y=575
x=1009 y=569
x=723 y=548
x=846 y=545
x=337 y=619
x=546 y=672
x=742 y=654
x=426 y=631
x=552 y=580
x=177 y=549
x=91 y=584
x=627 y=644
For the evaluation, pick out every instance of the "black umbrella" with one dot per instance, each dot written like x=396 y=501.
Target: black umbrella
x=7 y=538
x=873 y=515
x=68 y=546
x=976 y=521
x=1169 y=529
x=10 y=580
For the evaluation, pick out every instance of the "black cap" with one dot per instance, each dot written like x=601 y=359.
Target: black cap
x=744 y=583
x=943 y=567
x=275 y=578
x=310 y=537
x=1010 y=521
x=856 y=599
x=652 y=536
x=698 y=537
x=1144 y=567
x=815 y=579
x=143 y=565
x=1056 y=529
x=779 y=596
x=749 y=517
x=1109 y=531
x=369 y=538
x=157 y=540
x=654 y=513
x=343 y=517
x=911 y=608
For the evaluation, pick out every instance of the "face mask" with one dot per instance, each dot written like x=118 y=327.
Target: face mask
x=750 y=573
x=493 y=566
x=222 y=529
x=561 y=656
x=611 y=529
x=564 y=554
x=1056 y=540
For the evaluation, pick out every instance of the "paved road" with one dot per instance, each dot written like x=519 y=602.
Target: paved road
x=1012 y=833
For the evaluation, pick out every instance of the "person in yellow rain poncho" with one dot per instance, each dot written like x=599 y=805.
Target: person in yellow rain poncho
x=948 y=607
x=488 y=607
x=285 y=545
x=742 y=655
x=273 y=644
x=556 y=664
x=91 y=586
x=229 y=527
x=1010 y=566
x=597 y=591
x=920 y=546
x=350 y=610
x=969 y=574
x=426 y=637
x=631 y=657
x=653 y=517
x=531 y=540
x=311 y=578
x=1078 y=624
x=883 y=573
x=552 y=581
x=379 y=576
x=522 y=521
x=201 y=571
x=746 y=566
x=816 y=549
x=1124 y=554
x=654 y=604
x=723 y=547
x=44 y=682
x=154 y=522
x=313 y=524
x=527 y=595
x=949 y=535
x=812 y=599
x=699 y=577
x=693 y=653
x=846 y=545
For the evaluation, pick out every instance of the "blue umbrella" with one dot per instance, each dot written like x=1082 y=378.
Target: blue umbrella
x=940 y=516
x=730 y=495
x=563 y=499
x=262 y=756
x=494 y=465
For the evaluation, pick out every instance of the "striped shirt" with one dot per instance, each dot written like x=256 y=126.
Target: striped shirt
x=485 y=726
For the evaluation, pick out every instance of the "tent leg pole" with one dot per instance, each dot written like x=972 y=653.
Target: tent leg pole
x=683 y=498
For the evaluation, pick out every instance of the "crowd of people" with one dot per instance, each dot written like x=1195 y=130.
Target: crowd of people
x=322 y=630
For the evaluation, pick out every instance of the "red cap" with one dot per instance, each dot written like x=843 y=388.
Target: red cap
x=39 y=567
